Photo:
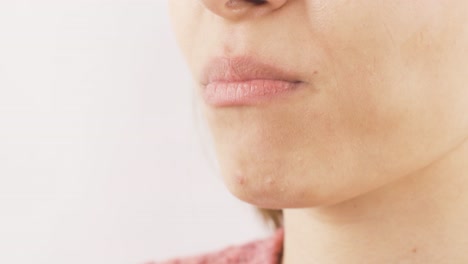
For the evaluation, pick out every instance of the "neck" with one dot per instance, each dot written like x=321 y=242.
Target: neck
x=421 y=218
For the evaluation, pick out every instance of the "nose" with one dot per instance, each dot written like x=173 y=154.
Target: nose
x=238 y=9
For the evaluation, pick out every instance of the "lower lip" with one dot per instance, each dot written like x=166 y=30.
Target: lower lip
x=246 y=92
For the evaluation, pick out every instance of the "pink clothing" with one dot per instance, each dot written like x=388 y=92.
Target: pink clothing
x=266 y=251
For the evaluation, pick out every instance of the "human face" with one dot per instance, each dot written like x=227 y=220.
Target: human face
x=382 y=92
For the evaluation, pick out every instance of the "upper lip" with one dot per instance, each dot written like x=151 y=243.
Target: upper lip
x=243 y=68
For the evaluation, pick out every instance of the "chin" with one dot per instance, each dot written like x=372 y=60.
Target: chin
x=281 y=187
x=274 y=190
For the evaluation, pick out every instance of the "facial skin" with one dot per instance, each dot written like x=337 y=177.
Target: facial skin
x=385 y=93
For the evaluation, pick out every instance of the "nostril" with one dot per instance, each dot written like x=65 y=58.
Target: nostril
x=236 y=10
x=257 y=2
x=239 y=3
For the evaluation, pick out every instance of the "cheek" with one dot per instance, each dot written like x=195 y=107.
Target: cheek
x=395 y=98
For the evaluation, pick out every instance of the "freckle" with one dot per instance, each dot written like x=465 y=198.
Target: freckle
x=414 y=250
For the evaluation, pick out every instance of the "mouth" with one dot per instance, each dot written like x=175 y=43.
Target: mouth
x=242 y=81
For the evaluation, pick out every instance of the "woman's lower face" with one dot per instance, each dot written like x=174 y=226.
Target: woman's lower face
x=378 y=91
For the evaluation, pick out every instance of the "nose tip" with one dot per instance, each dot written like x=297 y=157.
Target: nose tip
x=238 y=9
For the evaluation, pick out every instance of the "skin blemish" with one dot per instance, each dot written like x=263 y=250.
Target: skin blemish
x=269 y=181
x=240 y=179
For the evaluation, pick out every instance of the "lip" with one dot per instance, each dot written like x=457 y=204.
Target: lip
x=245 y=81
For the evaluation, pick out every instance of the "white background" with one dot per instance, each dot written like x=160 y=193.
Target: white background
x=100 y=158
